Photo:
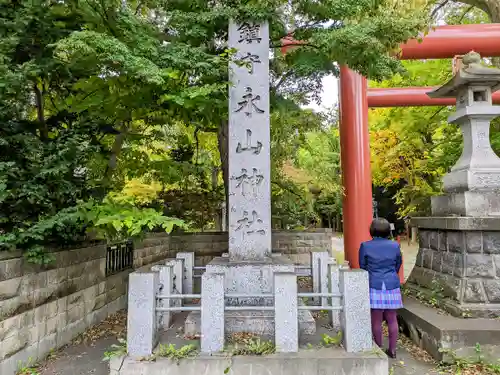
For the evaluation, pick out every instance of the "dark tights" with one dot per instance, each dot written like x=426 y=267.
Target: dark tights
x=390 y=316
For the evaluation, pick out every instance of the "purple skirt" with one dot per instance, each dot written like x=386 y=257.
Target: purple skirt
x=386 y=299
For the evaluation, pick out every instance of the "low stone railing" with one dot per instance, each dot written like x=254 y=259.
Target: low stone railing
x=155 y=296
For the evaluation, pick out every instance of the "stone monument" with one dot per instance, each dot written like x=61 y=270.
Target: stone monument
x=459 y=250
x=250 y=265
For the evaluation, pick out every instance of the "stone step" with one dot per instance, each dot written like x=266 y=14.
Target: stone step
x=432 y=330
x=317 y=361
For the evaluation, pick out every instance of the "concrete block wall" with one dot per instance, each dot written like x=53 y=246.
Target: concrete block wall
x=45 y=308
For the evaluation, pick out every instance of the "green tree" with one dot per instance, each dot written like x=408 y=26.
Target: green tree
x=79 y=81
x=362 y=35
x=412 y=148
x=89 y=91
x=320 y=157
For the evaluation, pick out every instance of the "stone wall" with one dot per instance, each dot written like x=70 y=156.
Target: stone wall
x=463 y=266
x=296 y=245
x=42 y=308
x=45 y=308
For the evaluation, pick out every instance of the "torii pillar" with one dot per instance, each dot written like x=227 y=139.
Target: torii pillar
x=357 y=210
x=442 y=42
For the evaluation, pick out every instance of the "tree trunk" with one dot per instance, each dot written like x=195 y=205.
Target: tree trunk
x=116 y=149
x=219 y=211
x=494 y=11
x=222 y=140
x=42 y=125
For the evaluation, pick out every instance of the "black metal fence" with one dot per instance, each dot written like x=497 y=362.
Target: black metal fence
x=119 y=257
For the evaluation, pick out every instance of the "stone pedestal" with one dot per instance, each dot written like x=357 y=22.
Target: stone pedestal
x=467 y=203
x=458 y=263
x=459 y=253
x=254 y=278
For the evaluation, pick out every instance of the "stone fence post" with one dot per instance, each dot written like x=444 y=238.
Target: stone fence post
x=178 y=270
x=166 y=279
x=286 y=317
x=142 y=330
x=187 y=285
x=319 y=272
x=212 y=312
x=355 y=317
x=334 y=281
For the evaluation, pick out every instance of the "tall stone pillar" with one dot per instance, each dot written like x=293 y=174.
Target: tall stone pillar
x=249 y=143
x=249 y=269
x=459 y=248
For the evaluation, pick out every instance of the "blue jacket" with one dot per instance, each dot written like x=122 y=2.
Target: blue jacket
x=382 y=259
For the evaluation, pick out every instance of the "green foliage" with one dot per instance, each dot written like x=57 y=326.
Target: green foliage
x=362 y=35
x=171 y=352
x=121 y=219
x=96 y=94
x=112 y=220
x=39 y=182
x=34 y=239
x=476 y=364
x=320 y=157
x=329 y=341
x=253 y=347
x=309 y=188
x=116 y=350
x=412 y=148
x=28 y=368
x=436 y=295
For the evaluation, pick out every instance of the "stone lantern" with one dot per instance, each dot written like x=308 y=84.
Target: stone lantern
x=473 y=184
x=459 y=245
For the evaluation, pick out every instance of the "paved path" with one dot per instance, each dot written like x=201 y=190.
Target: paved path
x=407 y=365
x=80 y=359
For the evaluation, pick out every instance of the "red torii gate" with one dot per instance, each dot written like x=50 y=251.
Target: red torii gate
x=356 y=98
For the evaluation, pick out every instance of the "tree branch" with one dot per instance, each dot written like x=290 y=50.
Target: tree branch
x=465 y=13
x=436 y=113
x=281 y=186
x=439 y=7
x=283 y=78
x=298 y=44
x=139 y=7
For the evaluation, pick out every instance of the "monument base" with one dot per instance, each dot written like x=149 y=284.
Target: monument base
x=470 y=178
x=324 y=361
x=458 y=264
x=312 y=358
x=467 y=203
x=250 y=278
x=256 y=322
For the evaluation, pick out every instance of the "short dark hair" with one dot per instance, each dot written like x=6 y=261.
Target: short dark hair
x=380 y=227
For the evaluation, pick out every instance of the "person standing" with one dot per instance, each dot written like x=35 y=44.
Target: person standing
x=382 y=259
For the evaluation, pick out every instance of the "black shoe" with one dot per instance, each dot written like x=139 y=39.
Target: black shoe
x=390 y=354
